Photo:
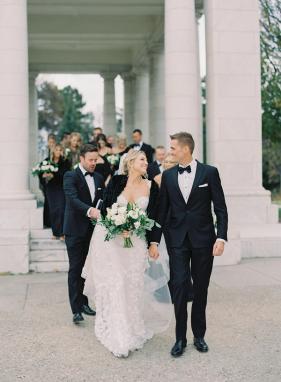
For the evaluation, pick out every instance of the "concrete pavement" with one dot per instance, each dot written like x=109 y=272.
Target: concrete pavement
x=40 y=343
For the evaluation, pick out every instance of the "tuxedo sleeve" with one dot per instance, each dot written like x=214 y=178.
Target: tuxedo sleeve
x=219 y=205
x=71 y=194
x=162 y=209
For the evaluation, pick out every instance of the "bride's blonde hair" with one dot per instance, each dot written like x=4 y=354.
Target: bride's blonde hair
x=129 y=160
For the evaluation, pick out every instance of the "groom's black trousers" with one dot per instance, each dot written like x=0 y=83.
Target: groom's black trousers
x=201 y=260
x=77 y=249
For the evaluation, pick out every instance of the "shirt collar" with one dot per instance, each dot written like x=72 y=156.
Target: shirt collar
x=192 y=164
x=82 y=169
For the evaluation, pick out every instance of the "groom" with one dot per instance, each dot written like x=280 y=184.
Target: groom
x=188 y=191
x=83 y=189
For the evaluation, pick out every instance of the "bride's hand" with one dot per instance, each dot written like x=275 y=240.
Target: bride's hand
x=126 y=234
x=153 y=251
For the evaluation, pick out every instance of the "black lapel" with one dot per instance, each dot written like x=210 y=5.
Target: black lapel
x=82 y=177
x=198 y=176
x=176 y=182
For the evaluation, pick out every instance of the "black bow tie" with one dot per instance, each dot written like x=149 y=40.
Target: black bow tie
x=89 y=173
x=183 y=169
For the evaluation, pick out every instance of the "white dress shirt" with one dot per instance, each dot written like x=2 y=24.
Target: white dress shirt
x=186 y=180
x=91 y=185
x=138 y=147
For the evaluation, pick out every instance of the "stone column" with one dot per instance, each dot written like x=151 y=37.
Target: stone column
x=141 y=107
x=234 y=140
x=33 y=134
x=182 y=91
x=128 y=79
x=109 y=108
x=156 y=96
x=17 y=204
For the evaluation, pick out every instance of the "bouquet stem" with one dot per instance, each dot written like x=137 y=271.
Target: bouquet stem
x=128 y=242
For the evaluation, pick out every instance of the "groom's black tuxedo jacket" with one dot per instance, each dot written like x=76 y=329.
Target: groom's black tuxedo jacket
x=115 y=188
x=194 y=217
x=78 y=201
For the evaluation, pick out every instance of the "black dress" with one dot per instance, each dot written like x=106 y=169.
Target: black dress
x=55 y=197
x=103 y=169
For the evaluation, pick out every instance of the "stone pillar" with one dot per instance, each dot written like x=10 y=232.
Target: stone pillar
x=182 y=90
x=141 y=107
x=128 y=79
x=156 y=96
x=17 y=204
x=33 y=134
x=109 y=108
x=234 y=140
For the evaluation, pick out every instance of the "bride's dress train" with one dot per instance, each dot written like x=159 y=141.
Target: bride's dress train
x=130 y=292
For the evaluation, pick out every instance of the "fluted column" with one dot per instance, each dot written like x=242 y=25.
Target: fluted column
x=141 y=106
x=14 y=157
x=182 y=90
x=234 y=139
x=128 y=79
x=33 y=134
x=156 y=96
x=109 y=108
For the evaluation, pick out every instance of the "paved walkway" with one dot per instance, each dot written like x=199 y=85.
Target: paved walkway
x=39 y=342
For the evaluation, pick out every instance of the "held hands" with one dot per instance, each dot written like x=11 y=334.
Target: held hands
x=94 y=213
x=218 y=248
x=153 y=251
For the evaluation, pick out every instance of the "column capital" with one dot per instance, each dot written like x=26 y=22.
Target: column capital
x=140 y=69
x=128 y=76
x=107 y=76
x=155 y=48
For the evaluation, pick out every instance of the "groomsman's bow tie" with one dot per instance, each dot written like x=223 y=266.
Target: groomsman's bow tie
x=89 y=173
x=136 y=145
x=183 y=169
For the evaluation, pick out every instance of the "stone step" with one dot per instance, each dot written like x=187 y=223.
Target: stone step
x=261 y=241
x=46 y=244
x=48 y=255
x=45 y=233
x=48 y=266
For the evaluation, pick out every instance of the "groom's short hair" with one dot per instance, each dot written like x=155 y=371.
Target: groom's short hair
x=88 y=148
x=184 y=139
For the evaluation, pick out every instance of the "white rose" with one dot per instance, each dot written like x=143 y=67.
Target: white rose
x=122 y=210
x=119 y=220
x=44 y=162
x=137 y=224
x=133 y=214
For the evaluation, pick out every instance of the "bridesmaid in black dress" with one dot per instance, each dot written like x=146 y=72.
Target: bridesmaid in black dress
x=53 y=184
x=103 y=167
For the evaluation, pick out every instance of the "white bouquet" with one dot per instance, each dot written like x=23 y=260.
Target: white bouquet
x=45 y=167
x=128 y=218
x=113 y=159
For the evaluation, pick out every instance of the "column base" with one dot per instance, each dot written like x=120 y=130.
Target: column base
x=254 y=230
x=17 y=218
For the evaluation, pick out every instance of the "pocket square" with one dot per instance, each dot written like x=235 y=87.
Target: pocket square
x=203 y=185
x=99 y=188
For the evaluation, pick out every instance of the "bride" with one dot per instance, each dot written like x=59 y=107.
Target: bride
x=129 y=289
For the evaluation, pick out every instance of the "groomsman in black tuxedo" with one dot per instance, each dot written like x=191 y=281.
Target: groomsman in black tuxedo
x=140 y=145
x=155 y=168
x=83 y=189
x=187 y=194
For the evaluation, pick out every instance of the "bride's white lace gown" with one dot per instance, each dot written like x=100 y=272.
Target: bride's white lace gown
x=132 y=302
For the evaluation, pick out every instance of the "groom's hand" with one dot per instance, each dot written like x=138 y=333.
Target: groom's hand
x=153 y=251
x=218 y=248
x=94 y=213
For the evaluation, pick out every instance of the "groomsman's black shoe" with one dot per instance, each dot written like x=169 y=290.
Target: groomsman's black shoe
x=178 y=348
x=87 y=310
x=200 y=345
x=77 y=318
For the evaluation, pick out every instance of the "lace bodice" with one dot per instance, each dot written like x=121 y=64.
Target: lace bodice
x=142 y=201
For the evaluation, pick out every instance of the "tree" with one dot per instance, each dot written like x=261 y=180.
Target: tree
x=61 y=110
x=270 y=40
x=73 y=117
x=50 y=107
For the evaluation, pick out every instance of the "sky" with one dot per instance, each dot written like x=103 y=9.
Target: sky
x=91 y=85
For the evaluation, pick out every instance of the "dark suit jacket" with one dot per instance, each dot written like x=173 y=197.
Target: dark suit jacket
x=78 y=201
x=194 y=217
x=115 y=188
x=153 y=170
x=147 y=149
